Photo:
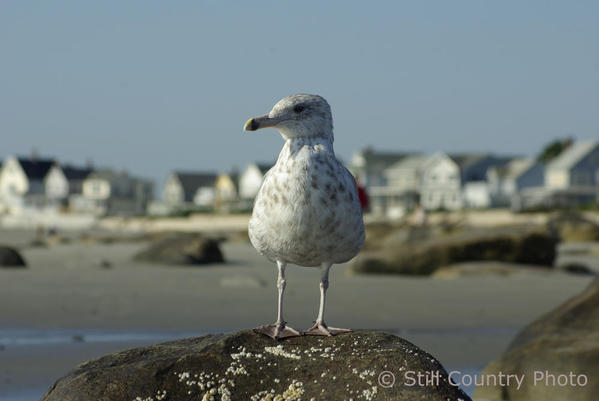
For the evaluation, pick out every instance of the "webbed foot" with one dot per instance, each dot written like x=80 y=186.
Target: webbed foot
x=277 y=331
x=321 y=329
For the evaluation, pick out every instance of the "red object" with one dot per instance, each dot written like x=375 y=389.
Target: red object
x=363 y=196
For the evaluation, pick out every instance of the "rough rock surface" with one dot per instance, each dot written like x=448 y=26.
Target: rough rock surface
x=562 y=341
x=524 y=245
x=10 y=257
x=248 y=366
x=182 y=249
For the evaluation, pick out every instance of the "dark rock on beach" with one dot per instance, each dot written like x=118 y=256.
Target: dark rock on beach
x=182 y=249
x=563 y=341
x=249 y=366
x=524 y=245
x=10 y=257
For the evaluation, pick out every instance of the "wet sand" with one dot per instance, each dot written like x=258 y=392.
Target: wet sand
x=465 y=322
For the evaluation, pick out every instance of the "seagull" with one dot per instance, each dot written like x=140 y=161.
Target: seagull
x=307 y=211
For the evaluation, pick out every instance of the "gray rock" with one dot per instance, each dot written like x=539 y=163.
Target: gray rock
x=10 y=257
x=182 y=249
x=562 y=341
x=524 y=245
x=249 y=366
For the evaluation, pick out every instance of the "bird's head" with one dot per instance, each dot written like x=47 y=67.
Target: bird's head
x=297 y=116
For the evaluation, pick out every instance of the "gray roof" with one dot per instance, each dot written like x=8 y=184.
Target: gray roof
x=410 y=162
x=73 y=173
x=36 y=169
x=572 y=155
x=376 y=161
x=514 y=168
x=465 y=160
x=474 y=166
x=191 y=181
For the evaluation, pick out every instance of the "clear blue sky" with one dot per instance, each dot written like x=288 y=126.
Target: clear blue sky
x=152 y=86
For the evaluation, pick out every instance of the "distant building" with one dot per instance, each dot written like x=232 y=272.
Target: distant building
x=56 y=185
x=507 y=183
x=63 y=182
x=251 y=179
x=75 y=177
x=474 y=168
x=185 y=189
x=369 y=165
x=576 y=168
x=22 y=181
x=400 y=189
x=572 y=178
x=226 y=197
x=441 y=184
x=432 y=181
x=106 y=192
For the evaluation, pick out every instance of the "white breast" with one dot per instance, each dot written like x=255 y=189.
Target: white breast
x=307 y=211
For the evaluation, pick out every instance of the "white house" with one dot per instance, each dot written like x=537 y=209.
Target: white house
x=473 y=175
x=226 y=197
x=112 y=193
x=369 y=166
x=507 y=183
x=22 y=181
x=432 y=181
x=576 y=168
x=441 y=184
x=572 y=178
x=75 y=177
x=185 y=189
x=56 y=185
x=399 y=187
x=251 y=179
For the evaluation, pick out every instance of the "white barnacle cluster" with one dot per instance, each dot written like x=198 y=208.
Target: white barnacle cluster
x=365 y=373
x=209 y=395
x=279 y=351
x=370 y=393
x=210 y=383
x=236 y=367
x=292 y=393
x=329 y=353
x=243 y=353
x=160 y=395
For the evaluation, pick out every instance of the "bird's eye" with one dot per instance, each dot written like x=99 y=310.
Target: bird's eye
x=299 y=108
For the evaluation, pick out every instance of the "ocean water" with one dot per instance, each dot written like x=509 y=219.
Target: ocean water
x=23 y=337
x=85 y=342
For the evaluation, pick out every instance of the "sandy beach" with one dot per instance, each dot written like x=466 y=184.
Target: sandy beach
x=67 y=306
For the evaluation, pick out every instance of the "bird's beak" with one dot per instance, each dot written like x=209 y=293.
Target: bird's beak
x=264 y=121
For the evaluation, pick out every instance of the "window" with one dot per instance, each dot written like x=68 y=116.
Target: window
x=581 y=178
